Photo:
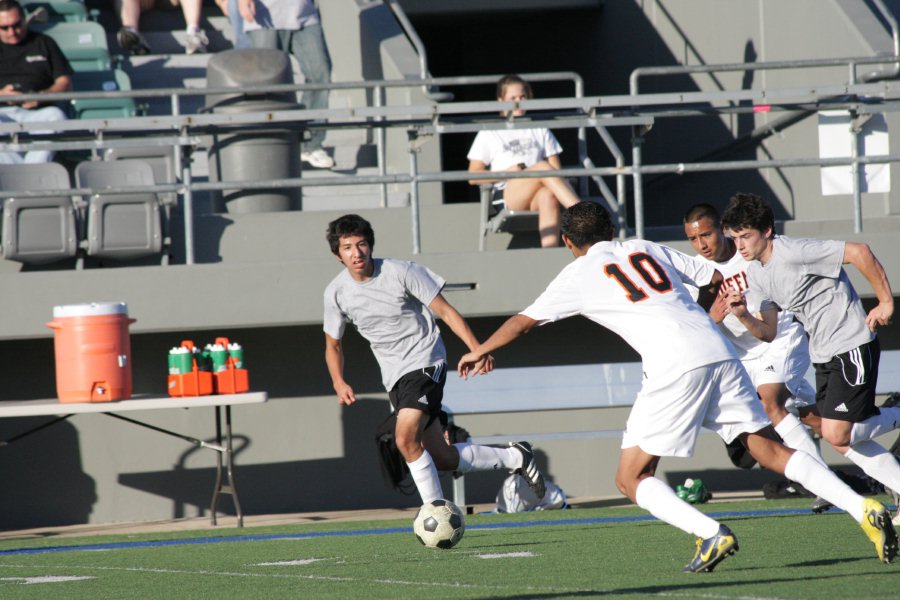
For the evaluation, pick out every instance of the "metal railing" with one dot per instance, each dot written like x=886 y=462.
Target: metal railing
x=638 y=111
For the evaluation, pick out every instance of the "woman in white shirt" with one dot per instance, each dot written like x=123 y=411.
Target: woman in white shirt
x=523 y=150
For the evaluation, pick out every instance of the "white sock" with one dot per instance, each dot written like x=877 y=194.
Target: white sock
x=876 y=462
x=795 y=436
x=473 y=457
x=192 y=29
x=660 y=501
x=821 y=481
x=871 y=428
x=425 y=476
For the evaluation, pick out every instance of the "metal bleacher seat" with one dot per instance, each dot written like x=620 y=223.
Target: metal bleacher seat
x=500 y=219
x=120 y=226
x=108 y=80
x=38 y=230
x=83 y=43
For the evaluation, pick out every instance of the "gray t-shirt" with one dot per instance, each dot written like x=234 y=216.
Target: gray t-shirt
x=807 y=278
x=390 y=310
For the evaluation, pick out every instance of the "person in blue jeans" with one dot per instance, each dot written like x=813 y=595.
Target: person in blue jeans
x=295 y=26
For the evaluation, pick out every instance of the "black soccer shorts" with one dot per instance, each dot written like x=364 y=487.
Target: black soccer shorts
x=422 y=389
x=845 y=385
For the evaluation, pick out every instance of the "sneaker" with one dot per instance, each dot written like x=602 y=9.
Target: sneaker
x=529 y=469
x=820 y=505
x=879 y=529
x=317 y=158
x=196 y=42
x=132 y=42
x=711 y=551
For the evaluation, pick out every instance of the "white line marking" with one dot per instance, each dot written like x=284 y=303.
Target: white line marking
x=288 y=563
x=44 y=579
x=506 y=555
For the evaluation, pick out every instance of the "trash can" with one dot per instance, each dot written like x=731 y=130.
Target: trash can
x=93 y=351
x=255 y=154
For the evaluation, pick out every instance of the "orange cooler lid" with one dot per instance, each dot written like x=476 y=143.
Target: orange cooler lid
x=92 y=309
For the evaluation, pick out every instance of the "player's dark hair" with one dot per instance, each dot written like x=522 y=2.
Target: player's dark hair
x=344 y=226
x=7 y=5
x=748 y=211
x=586 y=223
x=702 y=211
x=508 y=80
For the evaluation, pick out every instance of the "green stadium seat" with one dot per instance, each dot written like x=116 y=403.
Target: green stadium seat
x=58 y=10
x=101 y=108
x=84 y=44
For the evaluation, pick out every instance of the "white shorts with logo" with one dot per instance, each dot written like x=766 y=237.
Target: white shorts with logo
x=785 y=361
x=668 y=414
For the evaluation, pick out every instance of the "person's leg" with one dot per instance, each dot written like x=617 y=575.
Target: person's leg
x=408 y=437
x=9 y=158
x=548 y=217
x=47 y=114
x=309 y=46
x=265 y=38
x=519 y=192
x=773 y=397
x=129 y=36
x=196 y=40
x=241 y=39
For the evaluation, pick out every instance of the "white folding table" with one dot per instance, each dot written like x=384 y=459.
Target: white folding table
x=225 y=483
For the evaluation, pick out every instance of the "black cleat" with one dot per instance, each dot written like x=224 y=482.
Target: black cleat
x=529 y=469
x=820 y=505
x=712 y=551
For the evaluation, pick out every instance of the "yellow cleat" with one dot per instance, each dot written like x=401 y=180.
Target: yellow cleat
x=711 y=551
x=878 y=527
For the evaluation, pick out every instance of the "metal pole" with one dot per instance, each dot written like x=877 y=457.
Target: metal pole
x=414 y=193
x=380 y=152
x=182 y=165
x=855 y=172
x=637 y=139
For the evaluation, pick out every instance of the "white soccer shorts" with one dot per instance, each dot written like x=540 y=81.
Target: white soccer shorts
x=668 y=414
x=785 y=361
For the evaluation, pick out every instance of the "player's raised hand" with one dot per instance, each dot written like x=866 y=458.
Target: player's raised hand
x=737 y=303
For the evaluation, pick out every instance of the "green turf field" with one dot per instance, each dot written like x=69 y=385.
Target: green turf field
x=785 y=552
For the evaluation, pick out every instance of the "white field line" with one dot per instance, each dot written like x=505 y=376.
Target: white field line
x=45 y=579
x=506 y=555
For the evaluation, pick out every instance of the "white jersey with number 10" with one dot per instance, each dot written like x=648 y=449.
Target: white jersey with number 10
x=637 y=289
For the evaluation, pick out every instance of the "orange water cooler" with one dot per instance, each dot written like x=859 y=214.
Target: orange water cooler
x=93 y=351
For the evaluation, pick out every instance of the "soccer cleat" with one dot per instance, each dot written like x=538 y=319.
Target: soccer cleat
x=712 y=551
x=879 y=529
x=318 y=158
x=820 y=505
x=132 y=42
x=529 y=469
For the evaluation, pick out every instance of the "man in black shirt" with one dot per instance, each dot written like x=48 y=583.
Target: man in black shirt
x=30 y=62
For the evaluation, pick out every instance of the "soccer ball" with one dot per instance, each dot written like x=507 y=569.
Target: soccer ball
x=439 y=524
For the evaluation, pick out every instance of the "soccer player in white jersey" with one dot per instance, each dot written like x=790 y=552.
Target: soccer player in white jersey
x=692 y=377
x=807 y=277
x=393 y=304
x=777 y=369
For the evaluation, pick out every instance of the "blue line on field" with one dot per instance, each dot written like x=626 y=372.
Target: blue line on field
x=319 y=534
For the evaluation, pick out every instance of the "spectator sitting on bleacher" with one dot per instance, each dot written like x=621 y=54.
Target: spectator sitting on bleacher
x=130 y=38
x=29 y=62
x=533 y=149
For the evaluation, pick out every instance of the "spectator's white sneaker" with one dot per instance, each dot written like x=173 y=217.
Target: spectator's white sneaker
x=196 y=42
x=318 y=158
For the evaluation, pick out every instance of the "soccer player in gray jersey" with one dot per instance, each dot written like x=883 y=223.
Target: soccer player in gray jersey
x=393 y=303
x=807 y=278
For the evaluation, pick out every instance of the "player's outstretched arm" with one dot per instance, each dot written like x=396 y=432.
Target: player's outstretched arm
x=458 y=325
x=861 y=257
x=514 y=327
x=334 y=359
